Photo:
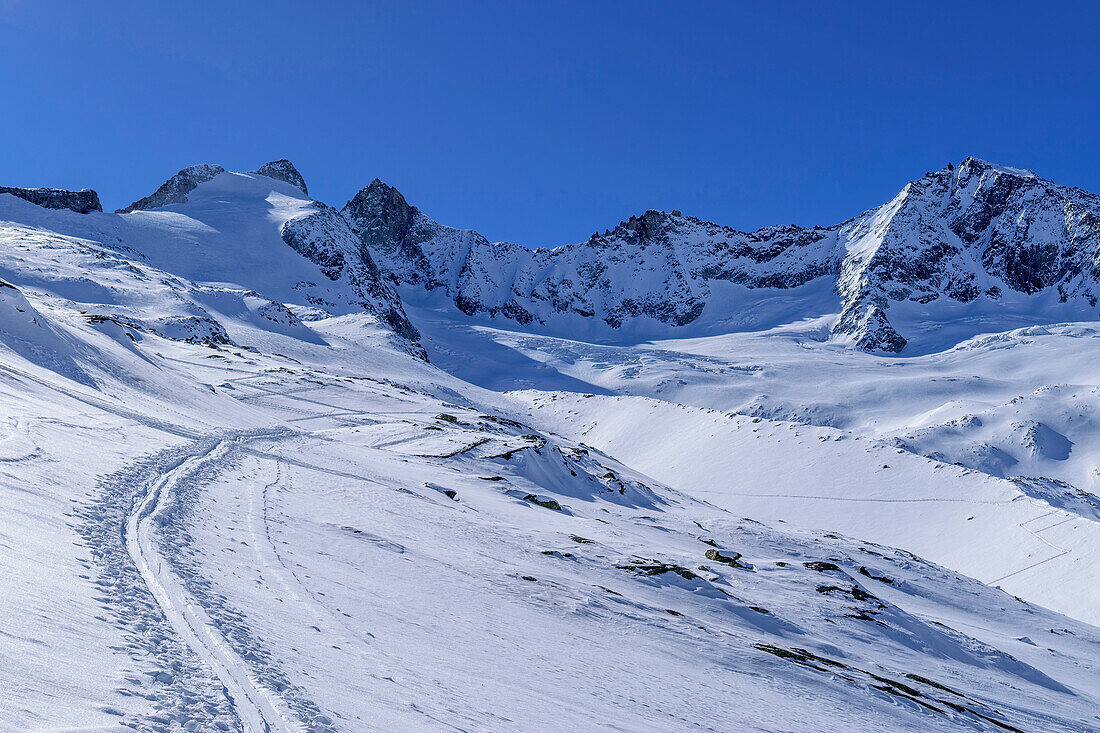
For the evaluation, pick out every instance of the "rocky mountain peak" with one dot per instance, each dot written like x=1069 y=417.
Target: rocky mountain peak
x=977 y=233
x=378 y=200
x=972 y=165
x=176 y=188
x=971 y=233
x=283 y=170
x=380 y=215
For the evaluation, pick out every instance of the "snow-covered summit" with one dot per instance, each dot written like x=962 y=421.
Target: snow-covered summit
x=176 y=188
x=985 y=165
x=255 y=231
x=979 y=240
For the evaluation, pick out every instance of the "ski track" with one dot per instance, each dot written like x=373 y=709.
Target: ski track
x=271 y=561
x=255 y=706
x=189 y=645
x=166 y=670
x=1060 y=551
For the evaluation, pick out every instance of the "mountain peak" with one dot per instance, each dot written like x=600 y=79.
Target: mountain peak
x=176 y=188
x=973 y=165
x=283 y=170
x=380 y=203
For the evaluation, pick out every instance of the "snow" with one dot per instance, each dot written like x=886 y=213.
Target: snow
x=219 y=515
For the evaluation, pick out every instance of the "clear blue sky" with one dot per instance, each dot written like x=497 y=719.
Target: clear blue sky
x=543 y=122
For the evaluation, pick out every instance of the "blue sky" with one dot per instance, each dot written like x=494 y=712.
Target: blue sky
x=543 y=122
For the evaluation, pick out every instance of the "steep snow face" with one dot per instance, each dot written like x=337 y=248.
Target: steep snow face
x=985 y=246
x=32 y=336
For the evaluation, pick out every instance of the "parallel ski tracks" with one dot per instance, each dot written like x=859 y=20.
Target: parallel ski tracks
x=259 y=709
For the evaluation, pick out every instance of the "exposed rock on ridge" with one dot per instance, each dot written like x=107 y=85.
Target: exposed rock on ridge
x=176 y=188
x=82 y=202
x=283 y=170
x=325 y=239
x=313 y=230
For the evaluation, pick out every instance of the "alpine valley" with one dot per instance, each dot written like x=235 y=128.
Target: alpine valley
x=271 y=465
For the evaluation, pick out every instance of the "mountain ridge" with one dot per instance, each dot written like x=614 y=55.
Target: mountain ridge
x=662 y=267
x=1001 y=243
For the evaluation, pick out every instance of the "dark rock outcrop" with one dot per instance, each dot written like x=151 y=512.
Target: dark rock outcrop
x=325 y=239
x=283 y=170
x=82 y=202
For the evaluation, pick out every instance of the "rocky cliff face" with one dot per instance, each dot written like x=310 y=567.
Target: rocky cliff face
x=82 y=202
x=976 y=231
x=968 y=241
x=655 y=266
x=324 y=238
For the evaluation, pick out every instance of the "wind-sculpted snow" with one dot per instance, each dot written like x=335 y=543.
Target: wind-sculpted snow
x=977 y=240
x=34 y=337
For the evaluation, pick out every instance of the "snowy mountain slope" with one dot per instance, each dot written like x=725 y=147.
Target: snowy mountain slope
x=113 y=291
x=233 y=496
x=810 y=426
x=983 y=246
x=339 y=536
x=825 y=478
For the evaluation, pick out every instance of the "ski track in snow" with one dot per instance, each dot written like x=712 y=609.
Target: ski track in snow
x=1035 y=533
x=196 y=644
x=257 y=708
